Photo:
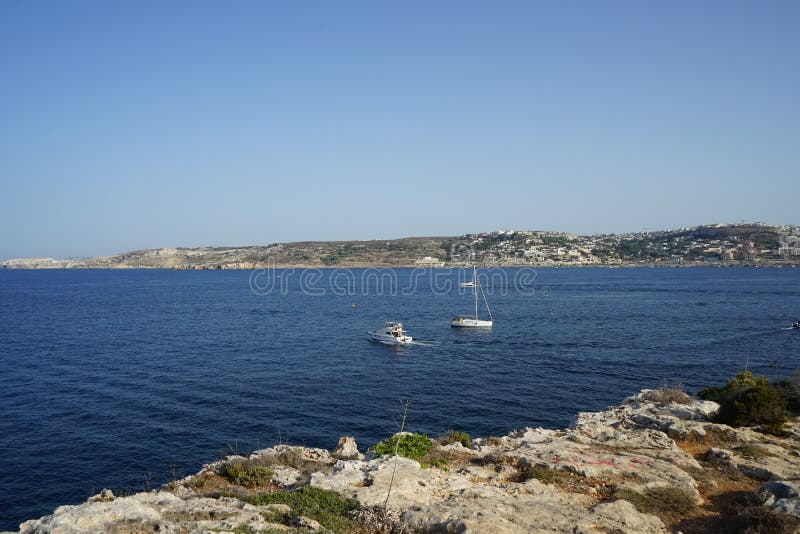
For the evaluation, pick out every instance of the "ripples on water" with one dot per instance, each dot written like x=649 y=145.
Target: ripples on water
x=111 y=377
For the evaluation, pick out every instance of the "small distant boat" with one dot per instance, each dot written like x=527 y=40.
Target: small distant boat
x=477 y=322
x=391 y=334
x=796 y=325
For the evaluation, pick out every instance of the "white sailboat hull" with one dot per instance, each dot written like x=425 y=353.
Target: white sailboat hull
x=466 y=322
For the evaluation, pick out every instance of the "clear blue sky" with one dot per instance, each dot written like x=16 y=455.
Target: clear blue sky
x=127 y=125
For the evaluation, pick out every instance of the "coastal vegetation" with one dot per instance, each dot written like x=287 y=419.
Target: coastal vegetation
x=664 y=502
x=610 y=471
x=454 y=436
x=668 y=394
x=749 y=400
x=412 y=446
x=326 y=507
x=248 y=475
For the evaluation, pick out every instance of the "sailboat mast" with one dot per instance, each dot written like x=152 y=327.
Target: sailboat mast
x=475 y=289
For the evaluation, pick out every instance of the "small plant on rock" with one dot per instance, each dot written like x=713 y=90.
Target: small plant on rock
x=662 y=502
x=413 y=446
x=667 y=395
x=539 y=472
x=248 y=475
x=454 y=436
x=753 y=451
x=327 y=507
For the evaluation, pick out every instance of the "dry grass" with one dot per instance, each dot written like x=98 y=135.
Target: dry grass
x=753 y=451
x=669 y=504
x=667 y=395
x=446 y=459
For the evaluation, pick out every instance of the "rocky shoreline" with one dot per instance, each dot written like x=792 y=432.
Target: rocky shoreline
x=649 y=465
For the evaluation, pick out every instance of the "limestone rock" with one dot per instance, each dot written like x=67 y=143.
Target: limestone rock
x=105 y=495
x=538 y=513
x=160 y=512
x=775 y=463
x=783 y=496
x=346 y=449
x=532 y=480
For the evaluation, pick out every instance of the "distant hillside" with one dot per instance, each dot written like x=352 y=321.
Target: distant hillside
x=724 y=244
x=305 y=253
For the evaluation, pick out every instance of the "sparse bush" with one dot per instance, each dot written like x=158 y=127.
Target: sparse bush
x=327 y=507
x=454 y=436
x=666 y=395
x=754 y=451
x=761 y=520
x=539 y=472
x=494 y=441
x=662 y=502
x=790 y=387
x=413 y=446
x=774 y=430
x=248 y=475
x=438 y=463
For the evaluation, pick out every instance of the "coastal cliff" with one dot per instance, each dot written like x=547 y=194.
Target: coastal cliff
x=654 y=463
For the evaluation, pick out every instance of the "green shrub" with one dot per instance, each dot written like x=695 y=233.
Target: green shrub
x=748 y=400
x=438 y=463
x=711 y=393
x=790 y=387
x=454 y=436
x=327 y=507
x=761 y=404
x=248 y=475
x=413 y=446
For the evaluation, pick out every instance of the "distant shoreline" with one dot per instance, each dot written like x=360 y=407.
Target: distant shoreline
x=718 y=245
x=406 y=266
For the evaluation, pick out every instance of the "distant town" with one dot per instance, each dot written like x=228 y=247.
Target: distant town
x=750 y=244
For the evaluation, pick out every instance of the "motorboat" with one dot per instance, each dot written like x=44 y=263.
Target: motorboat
x=477 y=322
x=796 y=325
x=391 y=334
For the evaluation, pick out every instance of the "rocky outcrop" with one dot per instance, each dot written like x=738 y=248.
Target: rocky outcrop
x=608 y=472
x=783 y=496
x=160 y=511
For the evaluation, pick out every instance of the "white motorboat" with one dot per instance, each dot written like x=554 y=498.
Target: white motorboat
x=391 y=334
x=796 y=325
x=477 y=322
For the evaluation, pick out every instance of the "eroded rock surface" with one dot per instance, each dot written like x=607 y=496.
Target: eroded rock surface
x=582 y=479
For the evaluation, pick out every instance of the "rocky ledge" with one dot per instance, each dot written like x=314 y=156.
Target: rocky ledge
x=648 y=465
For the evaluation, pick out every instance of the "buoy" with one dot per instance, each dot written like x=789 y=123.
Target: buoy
x=353 y=305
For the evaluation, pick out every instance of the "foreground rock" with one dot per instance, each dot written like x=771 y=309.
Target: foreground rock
x=640 y=467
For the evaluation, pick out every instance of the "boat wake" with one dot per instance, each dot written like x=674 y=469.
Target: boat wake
x=426 y=343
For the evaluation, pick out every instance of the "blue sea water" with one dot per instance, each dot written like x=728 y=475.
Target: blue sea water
x=124 y=379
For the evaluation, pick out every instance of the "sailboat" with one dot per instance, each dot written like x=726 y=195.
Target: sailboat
x=469 y=322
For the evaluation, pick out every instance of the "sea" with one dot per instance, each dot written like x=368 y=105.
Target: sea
x=126 y=379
